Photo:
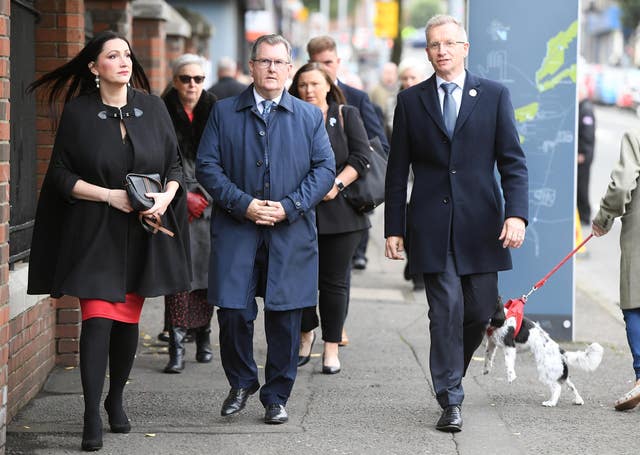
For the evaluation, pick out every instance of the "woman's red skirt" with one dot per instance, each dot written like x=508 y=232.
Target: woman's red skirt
x=128 y=312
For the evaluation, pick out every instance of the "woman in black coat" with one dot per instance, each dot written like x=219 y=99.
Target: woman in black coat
x=189 y=106
x=340 y=226
x=87 y=240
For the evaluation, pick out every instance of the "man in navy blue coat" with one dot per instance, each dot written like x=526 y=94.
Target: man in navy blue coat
x=323 y=50
x=453 y=129
x=266 y=166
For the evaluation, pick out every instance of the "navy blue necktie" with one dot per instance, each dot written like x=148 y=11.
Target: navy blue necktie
x=449 y=107
x=267 y=105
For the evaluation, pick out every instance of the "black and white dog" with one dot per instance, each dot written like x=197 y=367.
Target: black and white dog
x=552 y=361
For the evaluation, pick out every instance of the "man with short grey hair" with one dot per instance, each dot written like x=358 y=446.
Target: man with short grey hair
x=227 y=84
x=453 y=130
x=266 y=160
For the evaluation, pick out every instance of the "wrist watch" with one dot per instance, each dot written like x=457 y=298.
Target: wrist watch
x=339 y=184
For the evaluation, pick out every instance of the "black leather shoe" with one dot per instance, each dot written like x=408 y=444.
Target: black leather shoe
x=275 y=414
x=304 y=359
x=237 y=399
x=451 y=420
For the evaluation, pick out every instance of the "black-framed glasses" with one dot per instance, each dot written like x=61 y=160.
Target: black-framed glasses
x=266 y=63
x=185 y=79
x=444 y=45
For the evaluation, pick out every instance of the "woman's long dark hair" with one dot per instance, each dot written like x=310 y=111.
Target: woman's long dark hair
x=74 y=77
x=335 y=94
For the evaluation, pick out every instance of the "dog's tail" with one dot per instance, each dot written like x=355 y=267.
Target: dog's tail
x=587 y=360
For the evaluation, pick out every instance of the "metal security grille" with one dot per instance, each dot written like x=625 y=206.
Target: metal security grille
x=23 y=193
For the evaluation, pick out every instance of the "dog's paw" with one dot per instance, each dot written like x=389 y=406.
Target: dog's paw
x=578 y=401
x=486 y=371
x=549 y=404
x=511 y=376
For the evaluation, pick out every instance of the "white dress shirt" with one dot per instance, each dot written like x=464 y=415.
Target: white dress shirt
x=457 y=92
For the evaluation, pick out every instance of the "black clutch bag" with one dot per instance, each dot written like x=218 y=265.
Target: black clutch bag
x=139 y=184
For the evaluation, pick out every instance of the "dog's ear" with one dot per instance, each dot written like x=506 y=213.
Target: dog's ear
x=498 y=317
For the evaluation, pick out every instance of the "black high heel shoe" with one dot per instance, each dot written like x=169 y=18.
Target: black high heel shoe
x=304 y=359
x=118 y=424
x=92 y=435
x=330 y=369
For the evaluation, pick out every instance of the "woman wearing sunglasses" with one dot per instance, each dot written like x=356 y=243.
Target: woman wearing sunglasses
x=189 y=106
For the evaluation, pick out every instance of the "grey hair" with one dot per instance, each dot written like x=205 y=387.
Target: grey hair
x=227 y=64
x=443 y=19
x=271 y=40
x=186 y=59
x=410 y=62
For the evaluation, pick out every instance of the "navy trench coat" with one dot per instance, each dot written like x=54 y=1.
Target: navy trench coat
x=291 y=161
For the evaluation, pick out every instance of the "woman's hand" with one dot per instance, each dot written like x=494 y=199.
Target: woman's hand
x=119 y=199
x=162 y=200
x=331 y=194
x=597 y=230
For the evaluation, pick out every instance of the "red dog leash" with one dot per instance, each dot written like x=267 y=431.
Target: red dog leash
x=515 y=307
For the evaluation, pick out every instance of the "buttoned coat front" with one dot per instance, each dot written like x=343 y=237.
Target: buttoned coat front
x=456 y=200
x=621 y=200
x=289 y=160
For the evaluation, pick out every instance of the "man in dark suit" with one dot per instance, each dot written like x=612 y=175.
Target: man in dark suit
x=227 y=84
x=323 y=50
x=453 y=129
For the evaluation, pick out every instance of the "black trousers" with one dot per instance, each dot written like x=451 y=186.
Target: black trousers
x=459 y=310
x=584 y=208
x=282 y=330
x=335 y=251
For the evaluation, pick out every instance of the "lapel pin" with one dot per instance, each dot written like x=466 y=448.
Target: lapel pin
x=473 y=92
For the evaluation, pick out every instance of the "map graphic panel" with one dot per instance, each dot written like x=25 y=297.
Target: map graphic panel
x=531 y=47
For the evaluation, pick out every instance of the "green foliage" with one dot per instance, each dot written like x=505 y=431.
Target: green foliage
x=419 y=12
x=630 y=12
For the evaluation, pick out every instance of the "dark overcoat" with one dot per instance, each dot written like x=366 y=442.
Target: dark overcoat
x=88 y=249
x=189 y=134
x=371 y=120
x=456 y=199
x=290 y=160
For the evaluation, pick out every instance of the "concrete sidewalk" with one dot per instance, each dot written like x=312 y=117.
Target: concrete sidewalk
x=381 y=403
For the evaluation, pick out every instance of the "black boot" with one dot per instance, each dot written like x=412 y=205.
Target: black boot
x=176 y=350
x=204 y=354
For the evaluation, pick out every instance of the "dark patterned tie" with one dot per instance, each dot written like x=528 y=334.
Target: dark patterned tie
x=267 y=105
x=449 y=107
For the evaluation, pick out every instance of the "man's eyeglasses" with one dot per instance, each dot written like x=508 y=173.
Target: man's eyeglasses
x=266 y=63
x=446 y=45
x=186 y=79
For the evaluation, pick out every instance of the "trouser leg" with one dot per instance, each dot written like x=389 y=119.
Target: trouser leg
x=236 y=345
x=334 y=281
x=282 y=330
x=632 y=325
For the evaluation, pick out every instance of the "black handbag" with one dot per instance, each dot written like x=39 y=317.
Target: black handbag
x=137 y=185
x=367 y=192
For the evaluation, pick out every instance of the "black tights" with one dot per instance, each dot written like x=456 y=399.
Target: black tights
x=103 y=340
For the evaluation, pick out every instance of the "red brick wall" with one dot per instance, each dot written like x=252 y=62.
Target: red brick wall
x=5 y=129
x=149 y=46
x=175 y=47
x=31 y=353
x=110 y=15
